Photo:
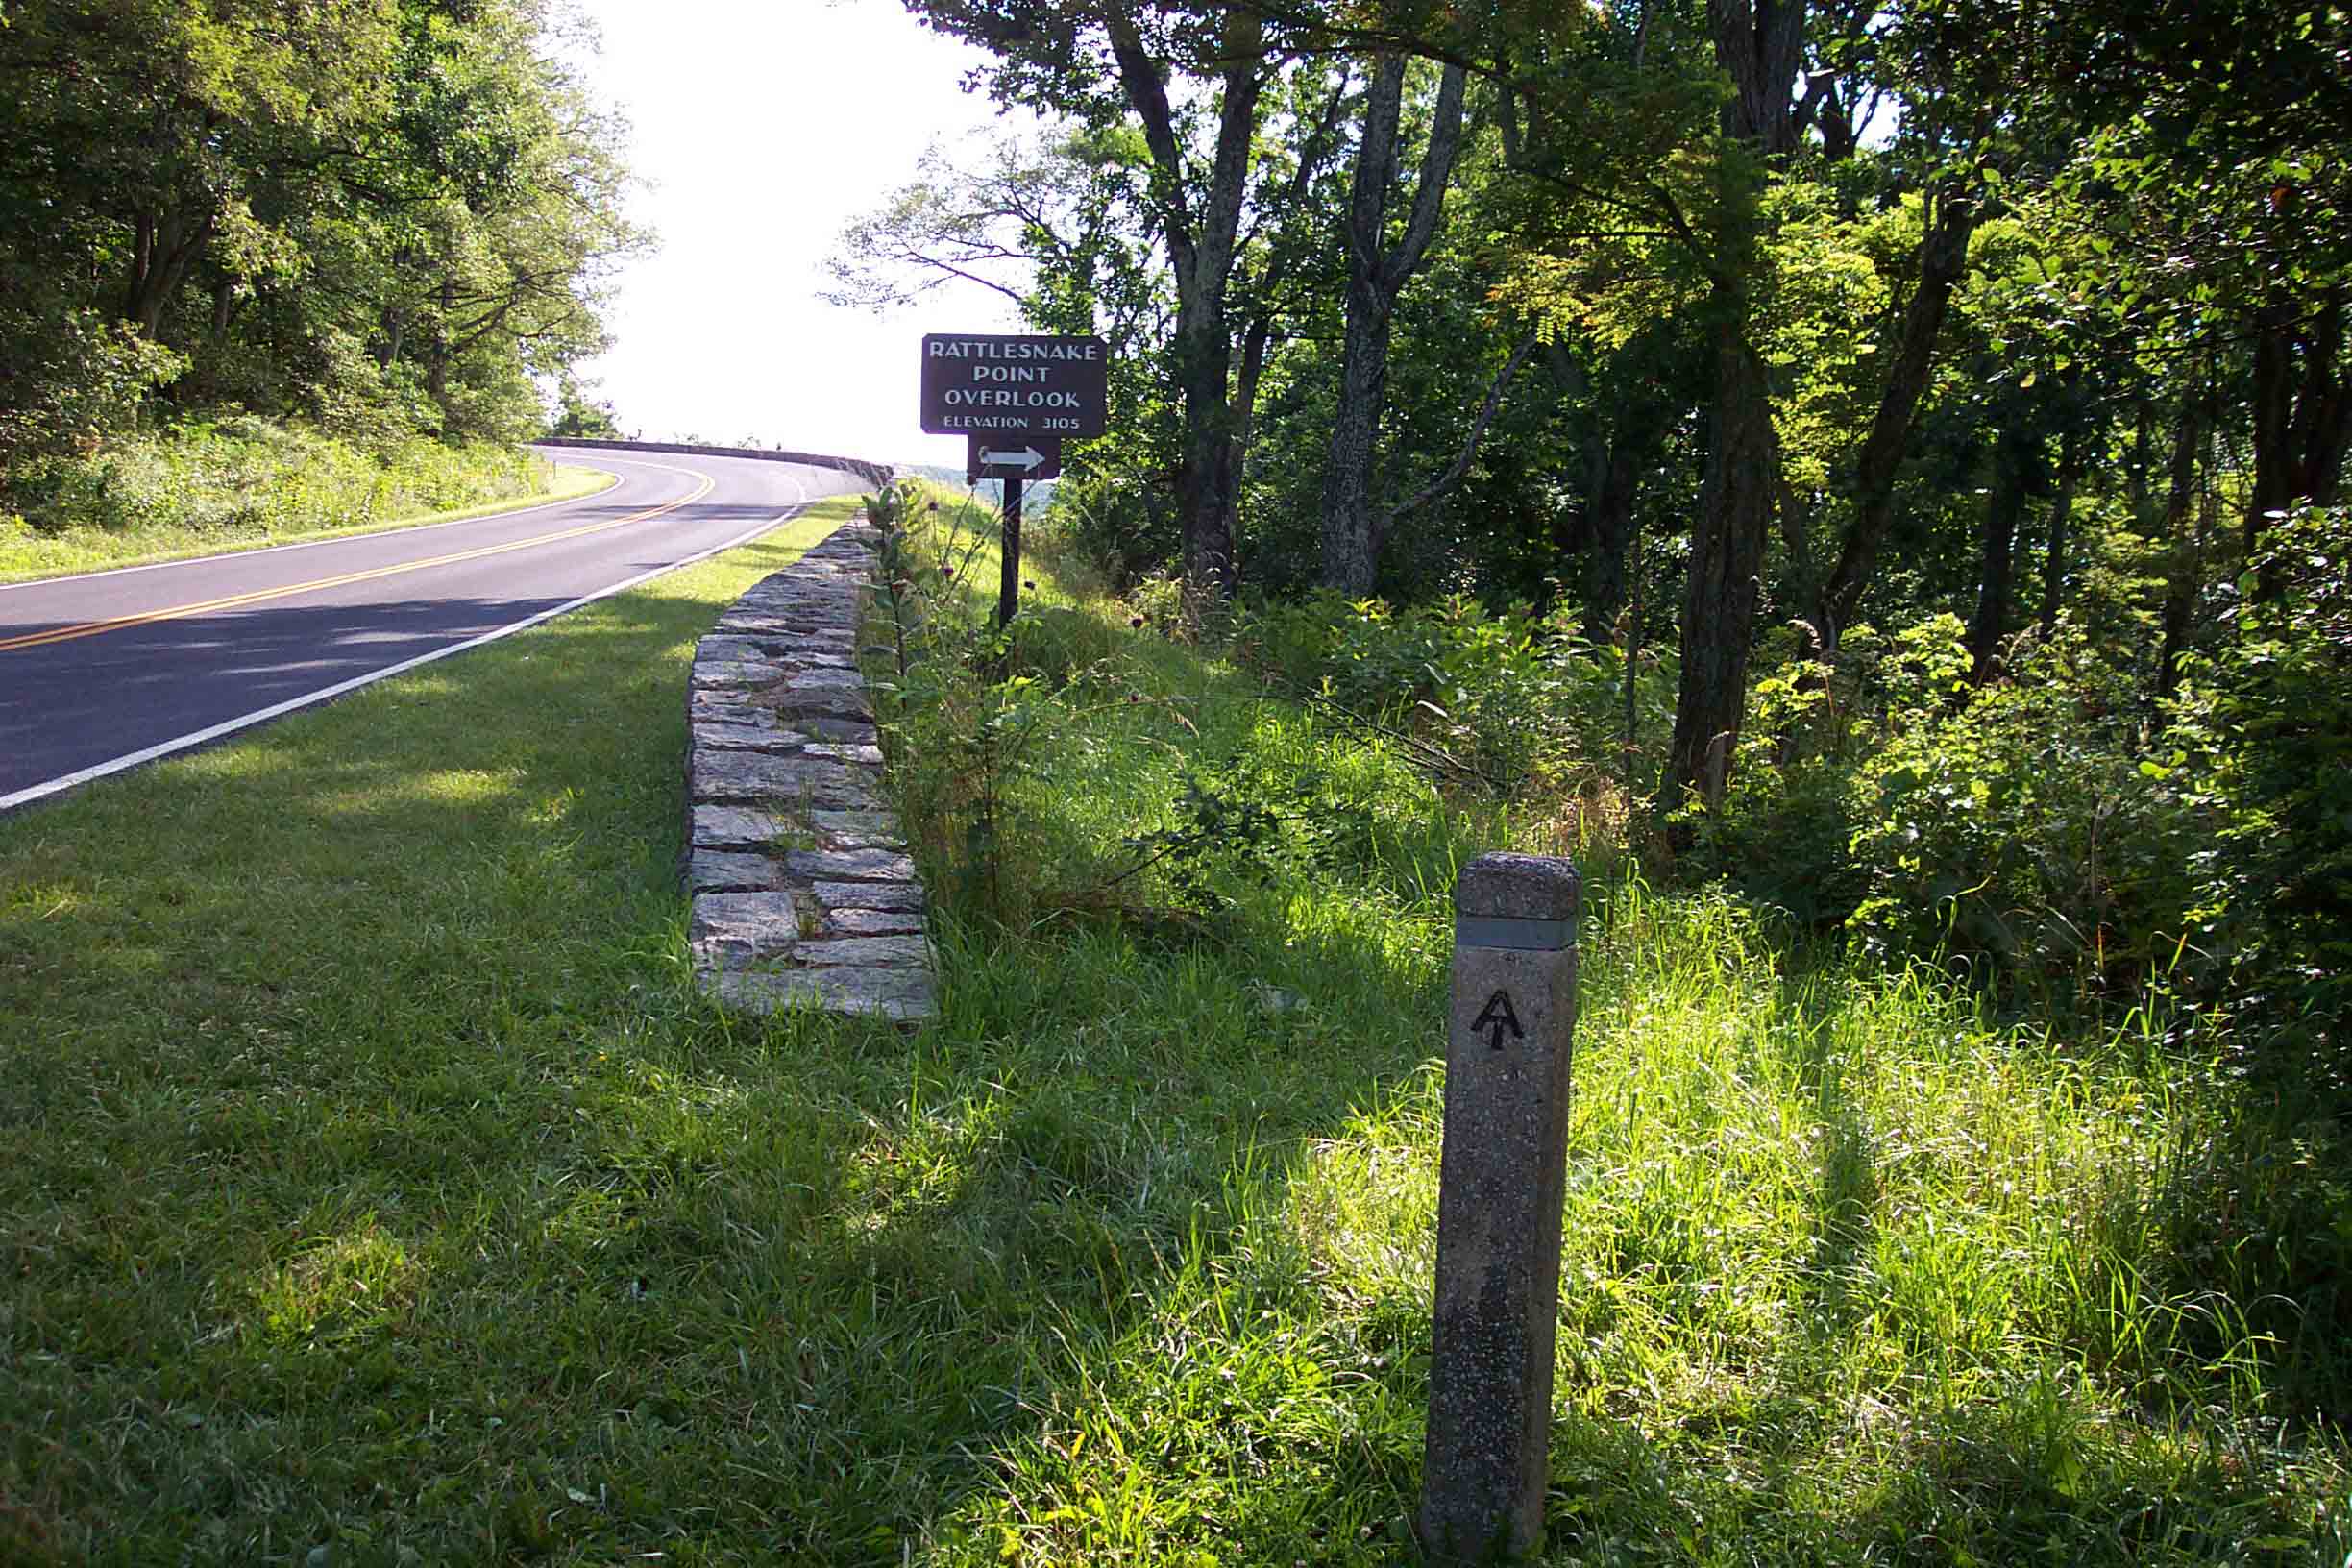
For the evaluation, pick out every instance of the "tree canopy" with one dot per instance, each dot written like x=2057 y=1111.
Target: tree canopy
x=385 y=216
x=1760 y=343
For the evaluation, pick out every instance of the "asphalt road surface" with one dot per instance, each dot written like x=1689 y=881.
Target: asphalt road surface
x=111 y=670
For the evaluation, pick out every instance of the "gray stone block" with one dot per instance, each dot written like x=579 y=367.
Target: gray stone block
x=891 y=895
x=863 y=953
x=743 y=649
x=850 y=865
x=755 y=778
x=811 y=681
x=735 y=828
x=767 y=625
x=874 y=922
x=900 y=995
x=749 y=738
x=711 y=675
x=824 y=701
x=734 y=929
x=729 y=709
x=857 y=829
x=869 y=756
x=718 y=871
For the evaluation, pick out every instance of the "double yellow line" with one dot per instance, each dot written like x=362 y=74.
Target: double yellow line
x=177 y=612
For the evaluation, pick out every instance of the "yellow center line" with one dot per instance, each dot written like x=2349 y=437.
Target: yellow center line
x=177 y=612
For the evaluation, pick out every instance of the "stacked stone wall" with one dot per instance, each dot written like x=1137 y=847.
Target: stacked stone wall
x=803 y=894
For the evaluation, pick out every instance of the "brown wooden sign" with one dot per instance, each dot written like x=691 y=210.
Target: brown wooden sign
x=998 y=387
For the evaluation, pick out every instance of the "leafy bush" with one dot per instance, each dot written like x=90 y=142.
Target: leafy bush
x=1518 y=696
x=2013 y=823
x=969 y=706
x=69 y=378
x=1123 y=525
x=2265 y=737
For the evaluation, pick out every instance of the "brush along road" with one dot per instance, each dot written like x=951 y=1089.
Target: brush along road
x=110 y=670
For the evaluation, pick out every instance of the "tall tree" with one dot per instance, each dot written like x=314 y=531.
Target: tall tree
x=1377 y=273
x=1758 y=44
x=1117 y=62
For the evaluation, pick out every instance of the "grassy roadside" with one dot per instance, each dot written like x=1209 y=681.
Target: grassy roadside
x=379 y=1193
x=26 y=556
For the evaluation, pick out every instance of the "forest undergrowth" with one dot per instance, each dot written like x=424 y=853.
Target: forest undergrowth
x=1862 y=1265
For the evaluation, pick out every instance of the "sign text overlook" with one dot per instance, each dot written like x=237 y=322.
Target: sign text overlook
x=983 y=383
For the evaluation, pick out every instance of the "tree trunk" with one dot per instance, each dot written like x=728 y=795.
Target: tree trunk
x=1608 y=521
x=1616 y=455
x=1350 y=552
x=1726 y=559
x=2061 y=516
x=2302 y=424
x=1208 y=476
x=163 y=247
x=1942 y=258
x=1377 y=275
x=1201 y=244
x=2013 y=462
x=2184 y=570
x=1758 y=44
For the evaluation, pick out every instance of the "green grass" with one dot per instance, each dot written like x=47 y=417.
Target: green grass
x=380 y=1192
x=27 y=556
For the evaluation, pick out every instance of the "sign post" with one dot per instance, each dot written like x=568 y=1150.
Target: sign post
x=1017 y=399
x=1502 y=1184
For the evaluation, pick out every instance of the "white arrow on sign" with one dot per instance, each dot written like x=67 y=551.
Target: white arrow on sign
x=1026 y=458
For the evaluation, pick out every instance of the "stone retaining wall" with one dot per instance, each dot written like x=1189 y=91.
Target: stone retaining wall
x=802 y=889
x=876 y=475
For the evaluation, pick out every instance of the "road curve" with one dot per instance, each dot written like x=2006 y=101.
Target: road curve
x=111 y=670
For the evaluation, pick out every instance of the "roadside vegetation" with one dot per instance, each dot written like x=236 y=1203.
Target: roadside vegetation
x=1867 y=1259
x=380 y=1192
x=246 y=483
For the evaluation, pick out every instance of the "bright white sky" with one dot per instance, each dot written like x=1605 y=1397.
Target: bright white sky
x=762 y=127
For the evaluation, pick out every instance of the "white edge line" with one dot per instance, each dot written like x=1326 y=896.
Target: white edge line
x=246 y=721
x=347 y=538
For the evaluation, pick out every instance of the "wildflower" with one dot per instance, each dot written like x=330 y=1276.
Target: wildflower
x=1136 y=621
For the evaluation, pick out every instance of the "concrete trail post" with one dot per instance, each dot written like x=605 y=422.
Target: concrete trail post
x=1501 y=1183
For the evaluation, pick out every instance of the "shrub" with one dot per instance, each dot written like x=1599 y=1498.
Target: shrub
x=69 y=378
x=2013 y=823
x=969 y=708
x=1519 y=698
x=2266 y=746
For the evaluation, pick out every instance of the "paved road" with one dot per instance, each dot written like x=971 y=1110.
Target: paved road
x=107 y=671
